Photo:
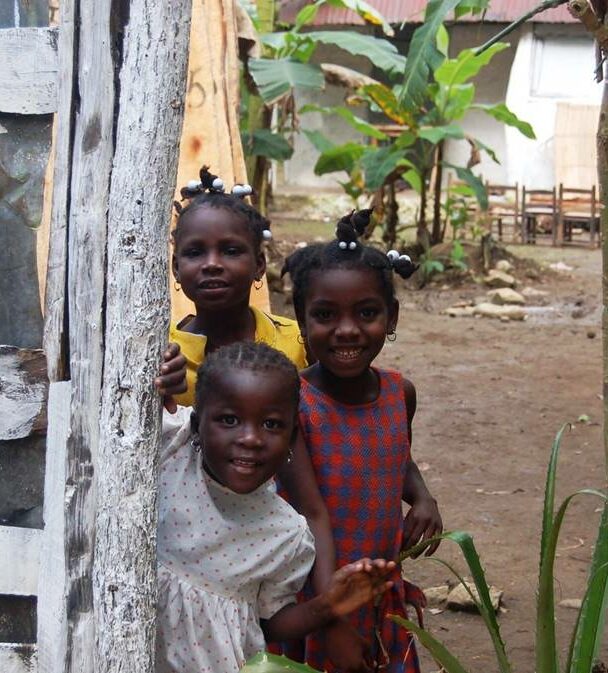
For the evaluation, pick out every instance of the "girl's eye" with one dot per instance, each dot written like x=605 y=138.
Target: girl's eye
x=273 y=424
x=191 y=252
x=321 y=314
x=230 y=420
x=233 y=251
x=369 y=313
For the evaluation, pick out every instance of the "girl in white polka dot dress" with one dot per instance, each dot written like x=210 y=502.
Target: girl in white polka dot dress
x=232 y=554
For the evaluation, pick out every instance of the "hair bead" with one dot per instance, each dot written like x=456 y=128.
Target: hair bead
x=267 y=235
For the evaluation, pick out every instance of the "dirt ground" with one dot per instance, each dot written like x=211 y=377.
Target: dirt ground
x=491 y=396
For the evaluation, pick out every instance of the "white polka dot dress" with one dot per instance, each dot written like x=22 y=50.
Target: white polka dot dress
x=224 y=561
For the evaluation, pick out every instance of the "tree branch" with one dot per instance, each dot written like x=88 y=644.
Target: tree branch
x=581 y=10
x=546 y=4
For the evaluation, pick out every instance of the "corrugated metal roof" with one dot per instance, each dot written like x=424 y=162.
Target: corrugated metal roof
x=412 y=11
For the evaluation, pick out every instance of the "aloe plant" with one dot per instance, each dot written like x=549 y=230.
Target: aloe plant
x=588 y=629
x=264 y=662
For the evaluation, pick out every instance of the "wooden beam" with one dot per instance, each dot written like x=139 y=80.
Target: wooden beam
x=23 y=391
x=52 y=621
x=19 y=559
x=150 y=114
x=28 y=76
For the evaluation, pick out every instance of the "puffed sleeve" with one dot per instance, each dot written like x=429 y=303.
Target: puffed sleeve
x=176 y=431
x=280 y=589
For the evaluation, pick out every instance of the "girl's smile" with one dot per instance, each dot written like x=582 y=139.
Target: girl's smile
x=246 y=428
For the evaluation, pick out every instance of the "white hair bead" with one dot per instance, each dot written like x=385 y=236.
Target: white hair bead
x=392 y=255
x=193 y=184
x=352 y=245
x=405 y=258
x=218 y=184
x=239 y=190
x=247 y=189
x=267 y=235
x=342 y=245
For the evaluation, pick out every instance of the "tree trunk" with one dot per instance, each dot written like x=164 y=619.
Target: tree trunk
x=422 y=233
x=436 y=235
x=602 y=169
x=150 y=113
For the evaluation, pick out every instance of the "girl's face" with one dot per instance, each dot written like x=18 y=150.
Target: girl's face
x=215 y=259
x=346 y=320
x=246 y=427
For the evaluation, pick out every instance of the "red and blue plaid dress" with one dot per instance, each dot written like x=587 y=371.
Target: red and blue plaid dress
x=359 y=454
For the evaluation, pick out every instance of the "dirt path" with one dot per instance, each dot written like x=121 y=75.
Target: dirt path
x=491 y=397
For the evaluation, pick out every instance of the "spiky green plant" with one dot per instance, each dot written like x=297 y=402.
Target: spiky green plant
x=263 y=662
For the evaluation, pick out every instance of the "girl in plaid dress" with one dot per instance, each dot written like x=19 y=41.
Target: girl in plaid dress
x=355 y=423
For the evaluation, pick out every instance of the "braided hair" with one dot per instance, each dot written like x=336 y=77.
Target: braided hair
x=249 y=355
x=346 y=252
x=208 y=192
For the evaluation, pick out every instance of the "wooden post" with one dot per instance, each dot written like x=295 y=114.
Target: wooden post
x=121 y=93
x=150 y=114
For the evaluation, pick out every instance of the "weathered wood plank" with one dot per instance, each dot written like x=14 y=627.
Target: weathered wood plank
x=55 y=322
x=152 y=89
x=91 y=162
x=19 y=560
x=23 y=391
x=17 y=658
x=52 y=624
x=28 y=76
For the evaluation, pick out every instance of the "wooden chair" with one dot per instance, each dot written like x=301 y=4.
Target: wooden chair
x=503 y=209
x=578 y=208
x=539 y=214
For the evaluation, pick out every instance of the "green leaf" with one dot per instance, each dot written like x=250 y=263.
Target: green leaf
x=436 y=134
x=265 y=143
x=441 y=654
x=470 y=6
x=466 y=65
x=458 y=100
x=501 y=113
x=488 y=150
x=306 y=15
x=379 y=164
x=443 y=40
x=276 y=77
x=466 y=175
x=386 y=100
x=356 y=122
x=264 y=662
x=318 y=140
x=413 y=178
x=423 y=55
x=589 y=627
x=382 y=53
x=339 y=158
x=366 y=12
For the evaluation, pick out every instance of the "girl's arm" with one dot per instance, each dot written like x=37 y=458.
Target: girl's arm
x=349 y=588
x=298 y=479
x=172 y=378
x=423 y=520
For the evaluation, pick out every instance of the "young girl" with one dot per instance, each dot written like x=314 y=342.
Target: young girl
x=232 y=554
x=355 y=422
x=217 y=256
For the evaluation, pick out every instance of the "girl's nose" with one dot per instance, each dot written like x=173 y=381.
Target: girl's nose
x=250 y=438
x=212 y=263
x=347 y=328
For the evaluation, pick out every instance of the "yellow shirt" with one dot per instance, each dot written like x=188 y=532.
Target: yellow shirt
x=276 y=331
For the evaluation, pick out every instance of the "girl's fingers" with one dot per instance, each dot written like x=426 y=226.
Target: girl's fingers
x=173 y=379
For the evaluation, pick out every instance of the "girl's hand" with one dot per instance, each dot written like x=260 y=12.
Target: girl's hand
x=172 y=379
x=421 y=523
x=355 y=584
x=347 y=650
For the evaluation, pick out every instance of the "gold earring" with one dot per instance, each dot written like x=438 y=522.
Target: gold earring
x=177 y=285
x=258 y=284
x=391 y=336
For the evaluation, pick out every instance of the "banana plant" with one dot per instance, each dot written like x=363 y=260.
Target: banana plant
x=425 y=109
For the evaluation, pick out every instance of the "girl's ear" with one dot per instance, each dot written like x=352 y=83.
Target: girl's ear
x=174 y=267
x=393 y=315
x=260 y=266
x=194 y=422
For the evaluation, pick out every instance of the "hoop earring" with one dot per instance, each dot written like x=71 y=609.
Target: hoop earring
x=195 y=443
x=177 y=285
x=300 y=339
x=391 y=336
x=258 y=284
x=289 y=455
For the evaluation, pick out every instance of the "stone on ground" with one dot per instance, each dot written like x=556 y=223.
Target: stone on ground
x=459 y=598
x=505 y=295
x=573 y=603
x=459 y=311
x=533 y=293
x=504 y=265
x=436 y=597
x=509 y=311
x=496 y=278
